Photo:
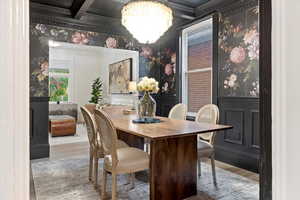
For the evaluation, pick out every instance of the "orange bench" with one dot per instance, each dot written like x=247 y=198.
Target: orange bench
x=62 y=125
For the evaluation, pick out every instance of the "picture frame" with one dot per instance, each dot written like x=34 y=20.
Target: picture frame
x=120 y=74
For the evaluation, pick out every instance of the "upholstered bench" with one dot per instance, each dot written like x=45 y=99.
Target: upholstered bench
x=62 y=125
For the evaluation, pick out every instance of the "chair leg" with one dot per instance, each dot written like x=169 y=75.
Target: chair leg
x=104 y=181
x=114 y=187
x=147 y=147
x=199 y=167
x=96 y=171
x=132 y=177
x=91 y=165
x=213 y=167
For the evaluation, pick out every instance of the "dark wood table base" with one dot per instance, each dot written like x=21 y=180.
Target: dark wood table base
x=173 y=168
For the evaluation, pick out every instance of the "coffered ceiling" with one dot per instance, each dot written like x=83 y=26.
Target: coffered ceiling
x=183 y=9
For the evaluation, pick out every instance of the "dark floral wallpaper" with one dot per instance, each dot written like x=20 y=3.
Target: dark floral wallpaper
x=239 y=54
x=155 y=61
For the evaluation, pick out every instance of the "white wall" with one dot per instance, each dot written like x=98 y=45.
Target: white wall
x=286 y=99
x=86 y=64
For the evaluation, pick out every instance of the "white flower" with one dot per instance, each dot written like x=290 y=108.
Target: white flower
x=148 y=85
x=230 y=82
x=233 y=77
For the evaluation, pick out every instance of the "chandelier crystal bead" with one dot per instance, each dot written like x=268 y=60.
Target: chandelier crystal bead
x=147 y=20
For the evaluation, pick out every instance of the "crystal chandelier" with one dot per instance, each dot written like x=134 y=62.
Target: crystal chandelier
x=147 y=20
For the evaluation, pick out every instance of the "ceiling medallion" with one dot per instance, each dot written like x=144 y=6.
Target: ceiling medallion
x=147 y=20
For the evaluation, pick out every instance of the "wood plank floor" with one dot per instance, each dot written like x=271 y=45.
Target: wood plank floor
x=80 y=149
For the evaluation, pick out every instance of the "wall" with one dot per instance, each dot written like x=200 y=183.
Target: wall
x=157 y=60
x=239 y=52
x=238 y=85
x=86 y=63
x=236 y=79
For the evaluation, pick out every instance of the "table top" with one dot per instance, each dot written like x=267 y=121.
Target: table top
x=60 y=117
x=168 y=128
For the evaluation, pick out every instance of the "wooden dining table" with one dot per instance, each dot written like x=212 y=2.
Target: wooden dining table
x=173 y=151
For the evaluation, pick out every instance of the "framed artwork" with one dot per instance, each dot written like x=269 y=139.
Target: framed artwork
x=120 y=74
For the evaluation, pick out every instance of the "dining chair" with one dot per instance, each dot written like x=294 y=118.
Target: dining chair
x=96 y=150
x=207 y=114
x=178 y=111
x=117 y=161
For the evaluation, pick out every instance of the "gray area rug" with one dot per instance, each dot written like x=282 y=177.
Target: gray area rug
x=80 y=136
x=67 y=179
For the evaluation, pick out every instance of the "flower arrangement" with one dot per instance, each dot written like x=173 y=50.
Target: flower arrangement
x=148 y=85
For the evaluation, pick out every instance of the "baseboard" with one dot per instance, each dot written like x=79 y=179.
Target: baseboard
x=237 y=159
x=39 y=151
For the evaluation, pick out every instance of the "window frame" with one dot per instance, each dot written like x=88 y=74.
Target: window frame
x=184 y=61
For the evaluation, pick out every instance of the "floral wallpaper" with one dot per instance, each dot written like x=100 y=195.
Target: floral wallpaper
x=155 y=61
x=239 y=54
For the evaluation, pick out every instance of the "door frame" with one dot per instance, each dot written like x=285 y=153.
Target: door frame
x=265 y=103
x=14 y=101
x=16 y=149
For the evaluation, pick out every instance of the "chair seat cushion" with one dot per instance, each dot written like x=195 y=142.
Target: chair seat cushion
x=121 y=144
x=205 y=149
x=130 y=160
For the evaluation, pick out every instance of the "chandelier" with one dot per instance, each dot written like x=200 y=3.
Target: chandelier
x=147 y=20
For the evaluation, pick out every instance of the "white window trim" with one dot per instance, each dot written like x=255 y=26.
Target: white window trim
x=198 y=70
x=185 y=71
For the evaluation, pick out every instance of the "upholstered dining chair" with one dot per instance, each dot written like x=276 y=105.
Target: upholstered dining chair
x=208 y=114
x=178 y=111
x=117 y=161
x=96 y=150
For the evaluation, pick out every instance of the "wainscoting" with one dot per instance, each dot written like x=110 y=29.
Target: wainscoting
x=240 y=145
x=39 y=144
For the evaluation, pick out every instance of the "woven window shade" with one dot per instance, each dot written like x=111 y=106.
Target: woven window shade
x=200 y=56
x=199 y=83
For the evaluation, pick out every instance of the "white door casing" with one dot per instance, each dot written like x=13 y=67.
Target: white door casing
x=14 y=101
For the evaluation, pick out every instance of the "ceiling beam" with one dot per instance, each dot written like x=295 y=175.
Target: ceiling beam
x=80 y=7
x=183 y=15
x=211 y=6
x=177 y=6
x=46 y=9
x=182 y=11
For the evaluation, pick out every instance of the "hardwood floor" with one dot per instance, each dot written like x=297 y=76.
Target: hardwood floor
x=78 y=149
x=74 y=150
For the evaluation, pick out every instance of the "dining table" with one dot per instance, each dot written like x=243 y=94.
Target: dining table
x=173 y=150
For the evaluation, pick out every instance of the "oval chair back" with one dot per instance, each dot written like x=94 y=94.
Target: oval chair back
x=91 y=108
x=108 y=135
x=178 y=111
x=90 y=126
x=208 y=114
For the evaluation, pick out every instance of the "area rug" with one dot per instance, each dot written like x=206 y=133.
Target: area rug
x=68 y=180
x=80 y=136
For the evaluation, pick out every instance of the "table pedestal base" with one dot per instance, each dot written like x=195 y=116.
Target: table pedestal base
x=173 y=168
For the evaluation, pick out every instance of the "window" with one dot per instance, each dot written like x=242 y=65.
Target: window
x=59 y=84
x=197 y=66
